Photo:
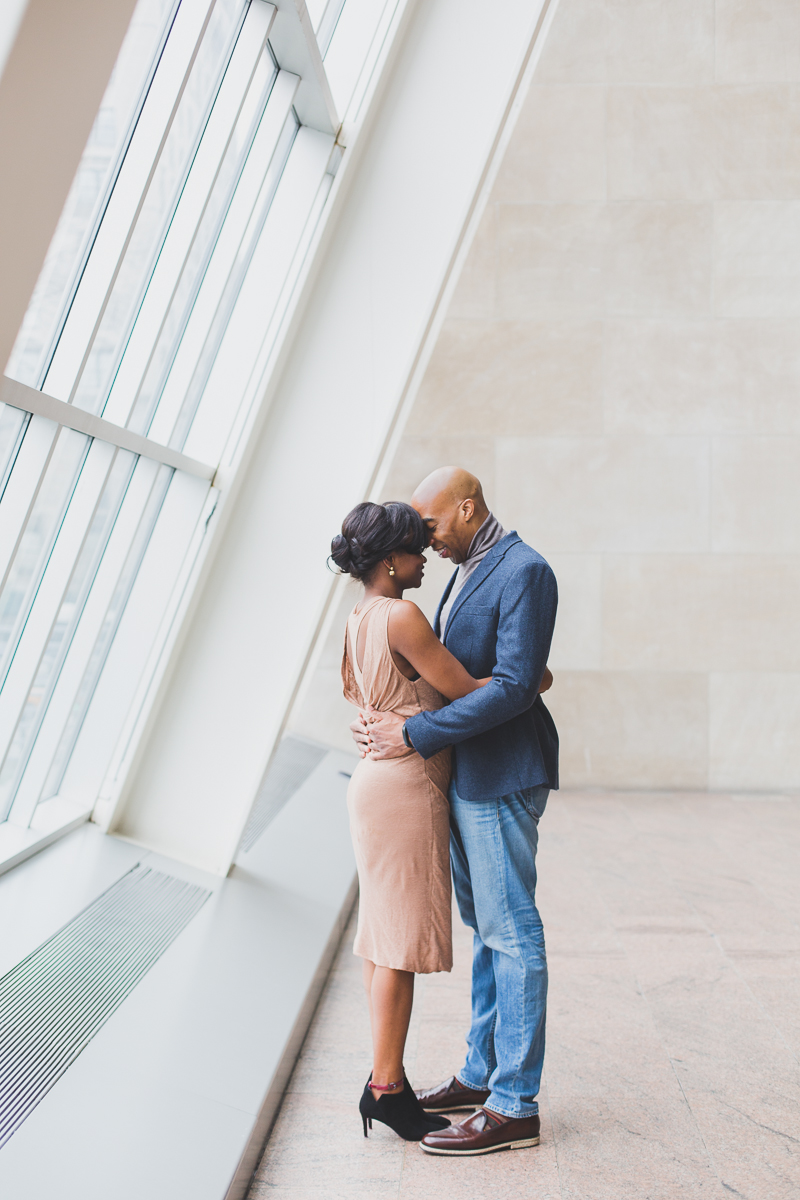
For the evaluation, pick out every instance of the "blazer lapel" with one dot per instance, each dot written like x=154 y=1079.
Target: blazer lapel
x=448 y=589
x=480 y=575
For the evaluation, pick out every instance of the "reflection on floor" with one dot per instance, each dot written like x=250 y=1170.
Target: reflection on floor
x=673 y=1026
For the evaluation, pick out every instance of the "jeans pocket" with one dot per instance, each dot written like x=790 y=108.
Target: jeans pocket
x=535 y=800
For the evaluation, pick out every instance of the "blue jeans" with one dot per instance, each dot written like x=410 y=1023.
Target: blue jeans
x=493 y=855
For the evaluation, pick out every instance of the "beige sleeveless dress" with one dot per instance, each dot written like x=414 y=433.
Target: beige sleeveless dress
x=399 y=816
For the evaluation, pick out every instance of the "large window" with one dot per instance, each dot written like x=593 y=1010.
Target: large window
x=158 y=310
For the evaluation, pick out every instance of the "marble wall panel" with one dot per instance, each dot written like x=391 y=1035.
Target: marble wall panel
x=756 y=495
x=585 y=259
x=419 y=454
x=706 y=376
x=658 y=259
x=703 y=612
x=648 y=41
x=607 y=494
x=513 y=378
x=558 y=149
x=631 y=729
x=660 y=143
x=550 y=260
x=754 y=738
x=620 y=364
x=578 y=640
x=475 y=293
x=576 y=47
x=757 y=41
x=756 y=144
x=757 y=259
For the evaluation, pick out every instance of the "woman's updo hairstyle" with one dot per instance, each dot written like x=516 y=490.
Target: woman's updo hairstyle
x=370 y=532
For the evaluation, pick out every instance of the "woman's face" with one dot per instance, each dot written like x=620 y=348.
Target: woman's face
x=408 y=568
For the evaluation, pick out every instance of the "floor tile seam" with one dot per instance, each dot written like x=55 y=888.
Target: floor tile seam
x=724 y=956
x=587 y=866
x=553 y=1134
x=399 y=1192
x=654 y=1021
x=723 y=853
x=759 y=1003
x=654 y=1024
x=711 y=1160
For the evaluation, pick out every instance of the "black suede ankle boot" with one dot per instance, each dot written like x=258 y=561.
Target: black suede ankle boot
x=401 y=1111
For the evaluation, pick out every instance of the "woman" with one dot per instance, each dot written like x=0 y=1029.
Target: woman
x=399 y=815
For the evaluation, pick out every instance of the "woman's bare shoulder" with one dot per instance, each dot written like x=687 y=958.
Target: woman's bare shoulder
x=405 y=614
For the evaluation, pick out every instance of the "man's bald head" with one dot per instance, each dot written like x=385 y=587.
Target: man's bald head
x=452 y=484
x=450 y=501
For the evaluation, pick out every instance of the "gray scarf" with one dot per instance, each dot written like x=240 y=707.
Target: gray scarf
x=489 y=534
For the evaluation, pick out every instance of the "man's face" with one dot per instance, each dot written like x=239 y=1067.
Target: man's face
x=448 y=525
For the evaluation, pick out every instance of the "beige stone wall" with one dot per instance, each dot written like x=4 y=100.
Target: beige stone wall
x=621 y=366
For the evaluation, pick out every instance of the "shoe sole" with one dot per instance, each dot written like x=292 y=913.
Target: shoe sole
x=452 y=1108
x=483 y=1150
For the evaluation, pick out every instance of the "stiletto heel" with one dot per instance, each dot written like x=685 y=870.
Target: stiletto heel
x=401 y=1111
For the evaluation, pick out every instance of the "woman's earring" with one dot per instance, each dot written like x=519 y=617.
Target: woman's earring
x=391 y=570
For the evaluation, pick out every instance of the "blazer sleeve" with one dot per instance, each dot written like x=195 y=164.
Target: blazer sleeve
x=525 y=629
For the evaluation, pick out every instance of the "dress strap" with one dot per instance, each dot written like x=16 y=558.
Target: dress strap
x=353 y=630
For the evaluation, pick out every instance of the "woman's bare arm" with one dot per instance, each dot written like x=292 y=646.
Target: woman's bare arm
x=411 y=636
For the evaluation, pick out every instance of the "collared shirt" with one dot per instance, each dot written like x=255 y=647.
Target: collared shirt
x=489 y=534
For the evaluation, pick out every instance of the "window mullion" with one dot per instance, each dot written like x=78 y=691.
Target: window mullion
x=18 y=395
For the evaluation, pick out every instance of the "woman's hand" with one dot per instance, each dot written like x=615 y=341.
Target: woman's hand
x=359 y=729
x=547 y=681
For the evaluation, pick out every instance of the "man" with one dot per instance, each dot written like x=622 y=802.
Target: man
x=496 y=616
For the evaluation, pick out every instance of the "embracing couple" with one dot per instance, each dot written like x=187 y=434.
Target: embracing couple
x=459 y=755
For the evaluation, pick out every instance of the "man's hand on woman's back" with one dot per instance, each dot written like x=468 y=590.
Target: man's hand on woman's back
x=378 y=734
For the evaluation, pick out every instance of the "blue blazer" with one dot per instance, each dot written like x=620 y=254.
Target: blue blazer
x=501 y=624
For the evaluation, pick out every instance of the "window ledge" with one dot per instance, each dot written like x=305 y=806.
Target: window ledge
x=52 y=819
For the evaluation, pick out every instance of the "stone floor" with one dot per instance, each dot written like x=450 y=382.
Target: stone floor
x=673 y=1025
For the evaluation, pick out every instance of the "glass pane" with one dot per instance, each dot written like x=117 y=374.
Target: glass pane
x=105 y=636
x=13 y=423
x=90 y=189
x=315 y=10
x=350 y=47
x=260 y=301
x=206 y=352
x=145 y=622
x=161 y=198
x=65 y=624
x=188 y=248
x=41 y=529
x=326 y=26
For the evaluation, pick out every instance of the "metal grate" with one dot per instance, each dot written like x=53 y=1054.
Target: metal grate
x=292 y=763
x=54 y=1002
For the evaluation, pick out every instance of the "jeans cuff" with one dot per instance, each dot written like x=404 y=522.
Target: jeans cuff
x=475 y=1087
x=515 y=1116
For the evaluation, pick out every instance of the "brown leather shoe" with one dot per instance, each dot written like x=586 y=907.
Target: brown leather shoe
x=451 y=1096
x=482 y=1133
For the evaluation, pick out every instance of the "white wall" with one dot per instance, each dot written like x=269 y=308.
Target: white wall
x=399 y=212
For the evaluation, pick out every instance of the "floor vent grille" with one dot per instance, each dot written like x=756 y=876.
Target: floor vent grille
x=292 y=763
x=54 y=1002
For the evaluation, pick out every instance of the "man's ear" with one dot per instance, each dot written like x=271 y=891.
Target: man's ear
x=468 y=508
